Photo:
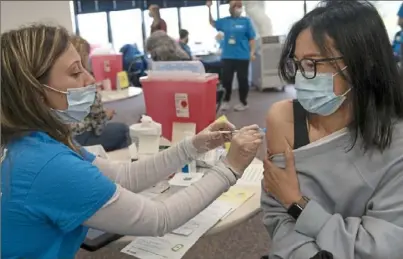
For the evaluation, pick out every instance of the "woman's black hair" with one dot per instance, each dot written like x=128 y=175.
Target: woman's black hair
x=359 y=34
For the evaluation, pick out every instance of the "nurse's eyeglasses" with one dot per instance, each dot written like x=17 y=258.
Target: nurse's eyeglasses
x=307 y=66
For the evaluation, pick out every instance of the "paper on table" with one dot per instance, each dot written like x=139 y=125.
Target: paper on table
x=235 y=197
x=253 y=175
x=97 y=150
x=174 y=246
x=181 y=130
x=185 y=179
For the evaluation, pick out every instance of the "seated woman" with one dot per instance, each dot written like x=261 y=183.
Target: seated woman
x=341 y=189
x=95 y=129
x=163 y=48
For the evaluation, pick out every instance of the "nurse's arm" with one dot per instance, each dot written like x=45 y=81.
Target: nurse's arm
x=144 y=173
x=252 y=46
x=251 y=34
x=210 y=17
x=127 y=213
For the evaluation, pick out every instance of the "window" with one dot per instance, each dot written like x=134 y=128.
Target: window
x=282 y=23
x=310 y=5
x=201 y=34
x=224 y=10
x=73 y=16
x=94 y=28
x=388 y=11
x=170 y=16
x=126 y=28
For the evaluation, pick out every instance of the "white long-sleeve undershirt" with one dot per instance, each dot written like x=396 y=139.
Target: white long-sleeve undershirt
x=129 y=213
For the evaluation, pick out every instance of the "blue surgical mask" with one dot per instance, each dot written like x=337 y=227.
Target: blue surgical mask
x=79 y=102
x=316 y=95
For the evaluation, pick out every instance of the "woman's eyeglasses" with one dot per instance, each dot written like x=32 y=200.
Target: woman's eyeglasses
x=307 y=66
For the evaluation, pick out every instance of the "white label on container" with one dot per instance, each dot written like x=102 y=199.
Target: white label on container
x=182 y=105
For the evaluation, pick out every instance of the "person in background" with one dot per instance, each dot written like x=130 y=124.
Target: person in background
x=54 y=191
x=238 y=51
x=184 y=40
x=397 y=40
x=158 y=23
x=162 y=47
x=95 y=129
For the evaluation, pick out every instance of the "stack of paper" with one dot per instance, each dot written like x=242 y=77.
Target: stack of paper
x=235 y=197
x=253 y=175
x=97 y=150
x=174 y=245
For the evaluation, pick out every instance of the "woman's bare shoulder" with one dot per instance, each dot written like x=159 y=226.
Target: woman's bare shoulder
x=280 y=126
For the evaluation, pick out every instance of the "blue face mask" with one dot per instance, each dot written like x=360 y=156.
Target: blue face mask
x=316 y=95
x=79 y=102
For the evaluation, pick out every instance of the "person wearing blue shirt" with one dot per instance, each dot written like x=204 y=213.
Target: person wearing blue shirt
x=183 y=42
x=237 y=52
x=398 y=40
x=53 y=191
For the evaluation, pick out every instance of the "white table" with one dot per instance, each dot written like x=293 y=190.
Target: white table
x=247 y=210
x=111 y=96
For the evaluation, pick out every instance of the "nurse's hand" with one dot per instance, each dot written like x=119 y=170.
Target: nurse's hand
x=244 y=146
x=212 y=137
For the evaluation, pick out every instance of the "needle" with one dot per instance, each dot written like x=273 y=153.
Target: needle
x=236 y=131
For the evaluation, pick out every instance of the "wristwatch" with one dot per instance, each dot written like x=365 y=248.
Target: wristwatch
x=296 y=208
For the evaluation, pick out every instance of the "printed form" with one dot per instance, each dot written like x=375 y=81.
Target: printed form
x=174 y=245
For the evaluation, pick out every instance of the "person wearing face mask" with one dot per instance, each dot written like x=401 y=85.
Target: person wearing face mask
x=95 y=128
x=158 y=23
x=53 y=190
x=334 y=173
x=237 y=51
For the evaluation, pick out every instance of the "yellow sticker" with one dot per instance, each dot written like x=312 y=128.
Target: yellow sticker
x=228 y=144
x=123 y=80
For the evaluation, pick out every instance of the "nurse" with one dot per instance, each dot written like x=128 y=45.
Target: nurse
x=52 y=190
x=237 y=51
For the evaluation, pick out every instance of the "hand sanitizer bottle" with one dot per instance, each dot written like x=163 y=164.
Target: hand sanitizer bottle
x=147 y=133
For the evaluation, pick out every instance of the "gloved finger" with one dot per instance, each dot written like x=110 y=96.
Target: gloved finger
x=215 y=135
x=222 y=125
x=251 y=133
x=250 y=127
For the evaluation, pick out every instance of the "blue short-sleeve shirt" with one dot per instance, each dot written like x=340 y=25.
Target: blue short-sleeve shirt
x=238 y=31
x=48 y=191
x=400 y=12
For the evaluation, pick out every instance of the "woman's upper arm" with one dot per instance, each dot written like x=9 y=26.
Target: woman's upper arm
x=68 y=190
x=278 y=127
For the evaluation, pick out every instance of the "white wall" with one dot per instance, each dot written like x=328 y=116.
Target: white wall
x=17 y=13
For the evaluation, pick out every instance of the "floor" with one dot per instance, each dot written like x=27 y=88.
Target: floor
x=248 y=240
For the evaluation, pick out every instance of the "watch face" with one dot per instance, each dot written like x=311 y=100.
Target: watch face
x=295 y=210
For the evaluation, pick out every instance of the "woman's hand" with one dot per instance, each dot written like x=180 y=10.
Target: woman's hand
x=244 y=146
x=212 y=137
x=282 y=183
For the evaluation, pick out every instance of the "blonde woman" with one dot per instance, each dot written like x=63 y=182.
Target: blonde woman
x=95 y=129
x=52 y=191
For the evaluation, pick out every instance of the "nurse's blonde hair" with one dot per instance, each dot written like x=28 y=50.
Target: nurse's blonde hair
x=27 y=57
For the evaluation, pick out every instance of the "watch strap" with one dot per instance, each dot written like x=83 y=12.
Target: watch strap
x=296 y=208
